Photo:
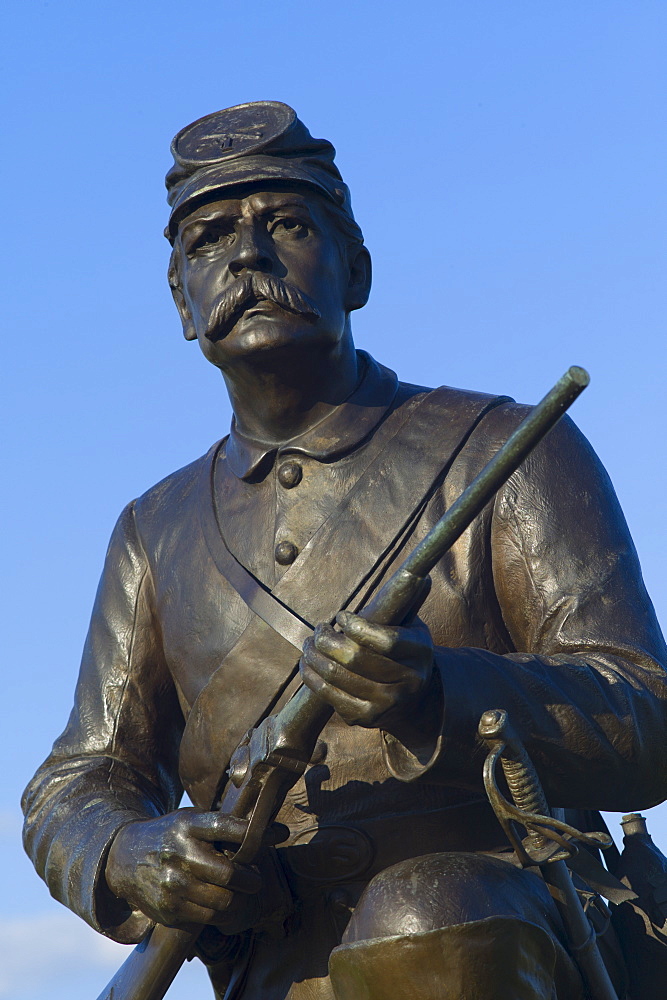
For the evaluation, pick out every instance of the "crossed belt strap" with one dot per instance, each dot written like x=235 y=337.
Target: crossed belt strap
x=260 y=670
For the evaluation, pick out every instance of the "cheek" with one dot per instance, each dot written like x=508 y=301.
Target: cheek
x=201 y=291
x=319 y=274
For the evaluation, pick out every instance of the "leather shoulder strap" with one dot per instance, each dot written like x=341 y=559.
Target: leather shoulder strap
x=415 y=450
x=256 y=595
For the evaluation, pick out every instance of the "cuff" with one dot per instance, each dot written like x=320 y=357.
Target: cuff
x=75 y=871
x=407 y=763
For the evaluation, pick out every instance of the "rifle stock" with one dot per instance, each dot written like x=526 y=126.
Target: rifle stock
x=281 y=747
x=151 y=967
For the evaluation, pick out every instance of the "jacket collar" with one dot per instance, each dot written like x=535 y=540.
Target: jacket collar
x=337 y=433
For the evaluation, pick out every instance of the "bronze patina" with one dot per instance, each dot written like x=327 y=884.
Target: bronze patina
x=387 y=873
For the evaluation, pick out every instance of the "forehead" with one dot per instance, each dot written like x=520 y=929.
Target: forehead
x=255 y=203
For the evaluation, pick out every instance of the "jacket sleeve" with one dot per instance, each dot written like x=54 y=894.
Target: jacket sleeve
x=584 y=681
x=117 y=759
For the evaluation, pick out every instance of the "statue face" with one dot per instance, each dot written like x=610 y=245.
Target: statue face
x=264 y=272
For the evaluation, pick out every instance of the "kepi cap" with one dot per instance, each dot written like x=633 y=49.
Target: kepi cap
x=247 y=144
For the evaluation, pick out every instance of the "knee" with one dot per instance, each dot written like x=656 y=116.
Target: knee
x=439 y=890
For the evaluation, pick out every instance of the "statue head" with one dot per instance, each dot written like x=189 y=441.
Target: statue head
x=266 y=250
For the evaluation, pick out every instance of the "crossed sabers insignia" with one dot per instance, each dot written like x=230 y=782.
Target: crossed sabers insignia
x=225 y=140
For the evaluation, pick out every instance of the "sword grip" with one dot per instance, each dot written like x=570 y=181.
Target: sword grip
x=522 y=779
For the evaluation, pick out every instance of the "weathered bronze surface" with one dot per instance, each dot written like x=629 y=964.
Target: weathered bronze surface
x=391 y=876
x=275 y=754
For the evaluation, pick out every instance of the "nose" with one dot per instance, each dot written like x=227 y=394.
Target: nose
x=249 y=253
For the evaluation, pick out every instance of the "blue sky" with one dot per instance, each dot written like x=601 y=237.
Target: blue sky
x=506 y=163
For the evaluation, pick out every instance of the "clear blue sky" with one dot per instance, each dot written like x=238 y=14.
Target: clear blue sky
x=507 y=164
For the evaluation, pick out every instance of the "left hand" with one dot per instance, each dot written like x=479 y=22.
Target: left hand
x=373 y=675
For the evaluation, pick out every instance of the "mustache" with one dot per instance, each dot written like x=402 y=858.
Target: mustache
x=248 y=291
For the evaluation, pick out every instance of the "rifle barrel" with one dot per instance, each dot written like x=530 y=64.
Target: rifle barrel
x=539 y=421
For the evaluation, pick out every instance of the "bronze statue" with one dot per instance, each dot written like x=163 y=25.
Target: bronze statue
x=387 y=874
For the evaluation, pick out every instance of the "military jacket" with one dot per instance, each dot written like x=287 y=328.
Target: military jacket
x=539 y=608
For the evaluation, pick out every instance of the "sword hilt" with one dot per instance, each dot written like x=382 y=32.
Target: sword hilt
x=520 y=774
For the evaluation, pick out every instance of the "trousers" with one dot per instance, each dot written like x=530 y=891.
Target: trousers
x=446 y=926
x=455 y=927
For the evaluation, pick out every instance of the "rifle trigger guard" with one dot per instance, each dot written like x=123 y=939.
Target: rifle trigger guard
x=260 y=819
x=272 y=774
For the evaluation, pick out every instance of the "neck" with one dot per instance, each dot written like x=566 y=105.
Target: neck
x=284 y=394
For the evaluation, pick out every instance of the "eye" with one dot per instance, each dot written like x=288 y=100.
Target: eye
x=287 y=226
x=211 y=237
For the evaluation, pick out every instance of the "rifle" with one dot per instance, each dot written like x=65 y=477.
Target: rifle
x=271 y=759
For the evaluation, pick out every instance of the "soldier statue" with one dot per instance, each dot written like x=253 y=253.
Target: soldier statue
x=240 y=577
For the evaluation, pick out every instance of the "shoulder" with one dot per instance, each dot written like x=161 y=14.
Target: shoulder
x=563 y=443
x=151 y=524
x=169 y=503
x=446 y=406
x=446 y=396
x=497 y=415
x=562 y=476
x=564 y=448
x=563 y=460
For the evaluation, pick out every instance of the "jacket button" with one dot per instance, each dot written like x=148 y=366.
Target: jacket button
x=290 y=475
x=286 y=553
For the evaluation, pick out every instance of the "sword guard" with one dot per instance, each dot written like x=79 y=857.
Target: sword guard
x=548 y=839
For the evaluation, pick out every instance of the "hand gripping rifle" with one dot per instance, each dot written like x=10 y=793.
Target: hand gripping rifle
x=272 y=758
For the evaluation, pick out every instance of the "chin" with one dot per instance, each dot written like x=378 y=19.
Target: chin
x=259 y=337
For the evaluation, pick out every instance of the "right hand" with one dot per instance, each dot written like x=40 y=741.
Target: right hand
x=169 y=869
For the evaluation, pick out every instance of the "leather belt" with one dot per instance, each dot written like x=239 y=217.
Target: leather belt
x=333 y=853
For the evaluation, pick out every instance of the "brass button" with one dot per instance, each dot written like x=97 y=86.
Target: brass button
x=290 y=475
x=286 y=553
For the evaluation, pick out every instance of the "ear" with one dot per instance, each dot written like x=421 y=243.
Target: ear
x=359 y=287
x=189 y=331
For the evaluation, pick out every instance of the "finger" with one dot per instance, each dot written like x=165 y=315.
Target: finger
x=354 y=710
x=210 y=866
x=277 y=833
x=216 y=826
x=380 y=638
x=352 y=656
x=244 y=880
x=399 y=643
x=211 y=897
x=189 y=914
x=333 y=673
